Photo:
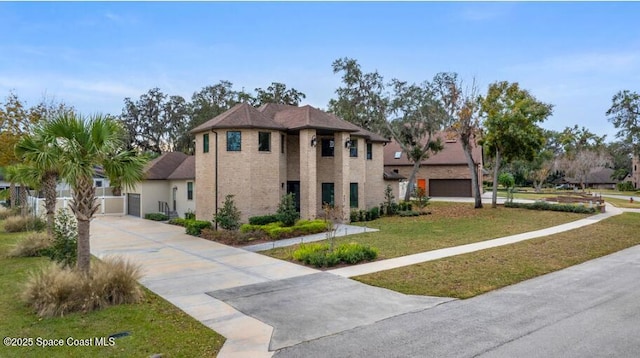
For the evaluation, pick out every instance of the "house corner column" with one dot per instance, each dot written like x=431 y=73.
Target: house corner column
x=308 y=175
x=342 y=174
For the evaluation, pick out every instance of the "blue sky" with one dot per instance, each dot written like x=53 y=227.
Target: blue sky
x=93 y=55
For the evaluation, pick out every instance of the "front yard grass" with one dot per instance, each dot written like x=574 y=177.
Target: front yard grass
x=450 y=224
x=155 y=326
x=475 y=273
x=623 y=203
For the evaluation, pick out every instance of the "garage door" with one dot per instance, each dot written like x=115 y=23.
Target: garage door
x=450 y=187
x=133 y=204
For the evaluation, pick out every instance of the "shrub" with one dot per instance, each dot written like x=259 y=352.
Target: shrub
x=190 y=215
x=308 y=227
x=195 y=227
x=543 y=205
x=230 y=237
x=277 y=231
x=23 y=223
x=287 y=213
x=263 y=220
x=156 y=216
x=64 y=248
x=320 y=255
x=405 y=206
x=4 y=213
x=363 y=215
x=374 y=213
x=33 y=244
x=406 y=213
x=57 y=290
x=625 y=186
x=389 y=206
x=354 y=216
x=228 y=217
x=179 y=221
x=422 y=200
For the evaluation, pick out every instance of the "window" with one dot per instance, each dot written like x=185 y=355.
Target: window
x=234 y=141
x=282 y=139
x=327 y=194
x=353 y=195
x=353 y=149
x=205 y=143
x=264 y=141
x=327 y=147
x=369 y=151
x=189 y=190
x=397 y=155
x=98 y=183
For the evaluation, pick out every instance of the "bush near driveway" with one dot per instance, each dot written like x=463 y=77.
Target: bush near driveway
x=321 y=255
x=277 y=230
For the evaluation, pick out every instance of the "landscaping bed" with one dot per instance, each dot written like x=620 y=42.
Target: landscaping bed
x=475 y=273
x=450 y=224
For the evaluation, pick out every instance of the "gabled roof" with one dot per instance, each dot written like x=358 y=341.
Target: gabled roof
x=452 y=154
x=242 y=115
x=164 y=166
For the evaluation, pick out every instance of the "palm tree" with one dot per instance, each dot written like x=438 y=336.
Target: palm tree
x=41 y=153
x=26 y=176
x=81 y=145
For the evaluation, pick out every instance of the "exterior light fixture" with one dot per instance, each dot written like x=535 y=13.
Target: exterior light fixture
x=314 y=141
x=347 y=144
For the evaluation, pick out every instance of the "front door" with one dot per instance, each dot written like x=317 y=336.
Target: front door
x=294 y=187
x=175 y=191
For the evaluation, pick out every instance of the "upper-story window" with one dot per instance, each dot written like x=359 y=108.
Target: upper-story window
x=234 y=141
x=353 y=149
x=328 y=145
x=264 y=141
x=369 y=151
x=205 y=143
x=282 y=139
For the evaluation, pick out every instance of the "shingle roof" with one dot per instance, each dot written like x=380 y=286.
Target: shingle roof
x=186 y=170
x=241 y=115
x=452 y=154
x=310 y=117
x=165 y=165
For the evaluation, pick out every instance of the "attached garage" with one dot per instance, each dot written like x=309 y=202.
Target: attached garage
x=133 y=204
x=450 y=187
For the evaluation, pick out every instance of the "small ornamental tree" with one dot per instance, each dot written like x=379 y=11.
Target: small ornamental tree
x=287 y=213
x=228 y=217
x=508 y=181
x=422 y=200
x=65 y=239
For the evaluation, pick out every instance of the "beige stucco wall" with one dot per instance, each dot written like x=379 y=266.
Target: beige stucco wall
x=183 y=204
x=375 y=183
x=151 y=191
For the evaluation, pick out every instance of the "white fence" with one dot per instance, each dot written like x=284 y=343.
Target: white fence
x=109 y=205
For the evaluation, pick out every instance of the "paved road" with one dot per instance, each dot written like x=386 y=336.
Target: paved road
x=588 y=310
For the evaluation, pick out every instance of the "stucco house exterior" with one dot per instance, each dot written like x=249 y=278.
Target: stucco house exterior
x=169 y=185
x=635 y=171
x=444 y=174
x=260 y=154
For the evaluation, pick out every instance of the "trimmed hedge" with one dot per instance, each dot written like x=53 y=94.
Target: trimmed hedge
x=156 y=216
x=405 y=213
x=276 y=230
x=264 y=219
x=320 y=255
x=543 y=205
x=195 y=227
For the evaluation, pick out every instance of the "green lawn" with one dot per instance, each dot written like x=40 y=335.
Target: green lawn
x=475 y=273
x=155 y=326
x=450 y=224
x=621 y=203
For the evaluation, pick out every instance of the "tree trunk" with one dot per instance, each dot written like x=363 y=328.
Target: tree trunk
x=49 y=182
x=24 y=208
x=412 y=179
x=84 y=206
x=496 y=169
x=12 y=194
x=537 y=185
x=473 y=169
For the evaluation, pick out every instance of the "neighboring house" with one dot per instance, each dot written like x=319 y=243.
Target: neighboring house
x=260 y=154
x=169 y=186
x=444 y=174
x=598 y=178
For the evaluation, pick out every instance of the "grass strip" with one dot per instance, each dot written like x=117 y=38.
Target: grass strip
x=475 y=273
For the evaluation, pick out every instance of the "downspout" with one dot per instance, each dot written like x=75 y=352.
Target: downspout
x=216 y=187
